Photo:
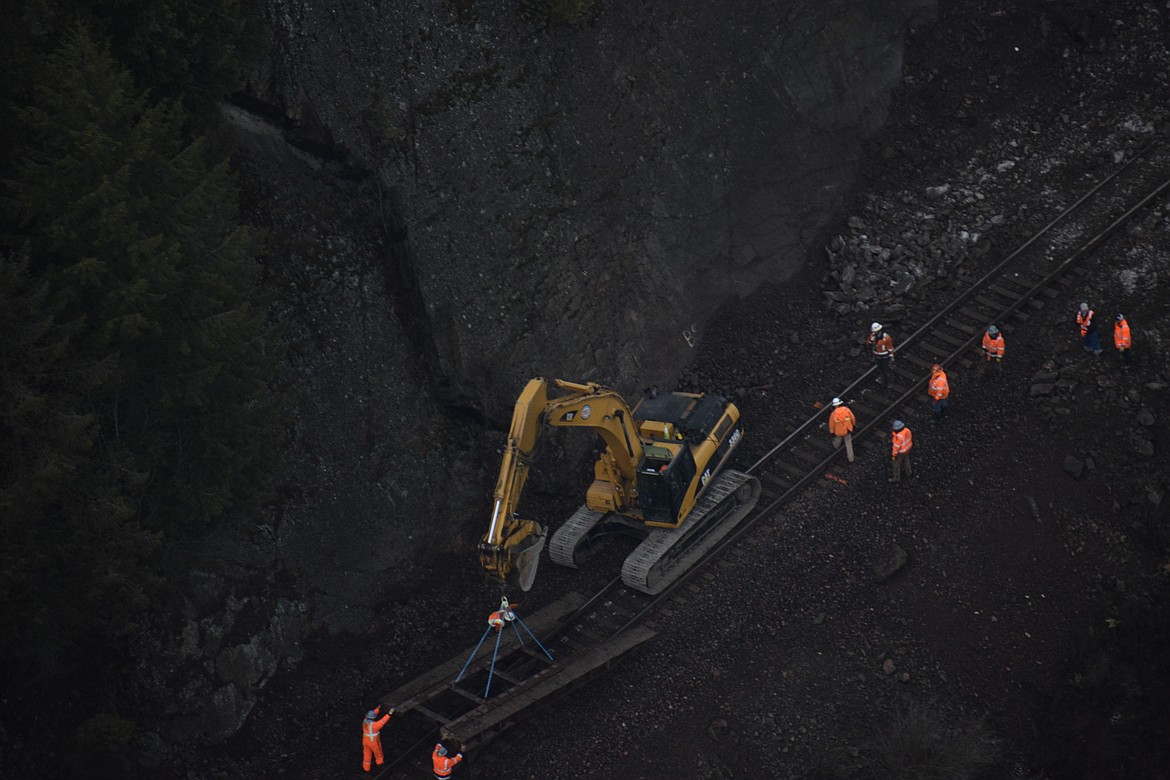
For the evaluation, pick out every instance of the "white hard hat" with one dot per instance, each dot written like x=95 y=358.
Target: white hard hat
x=836 y=402
x=875 y=327
x=1084 y=307
x=899 y=425
x=992 y=329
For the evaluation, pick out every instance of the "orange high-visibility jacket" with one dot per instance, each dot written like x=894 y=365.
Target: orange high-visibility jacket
x=993 y=346
x=882 y=347
x=939 y=388
x=444 y=765
x=1085 y=320
x=841 y=421
x=371 y=729
x=902 y=442
x=1121 y=337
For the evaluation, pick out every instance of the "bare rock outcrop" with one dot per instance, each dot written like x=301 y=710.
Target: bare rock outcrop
x=581 y=200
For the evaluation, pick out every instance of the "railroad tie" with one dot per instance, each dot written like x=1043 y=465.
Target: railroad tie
x=952 y=340
x=916 y=361
x=459 y=689
x=776 y=482
x=992 y=304
x=1011 y=295
x=430 y=714
x=939 y=352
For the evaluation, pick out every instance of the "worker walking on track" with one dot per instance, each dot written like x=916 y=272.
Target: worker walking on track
x=1123 y=340
x=841 y=423
x=939 y=390
x=901 y=442
x=443 y=762
x=883 y=350
x=372 y=736
x=993 y=348
x=1089 y=338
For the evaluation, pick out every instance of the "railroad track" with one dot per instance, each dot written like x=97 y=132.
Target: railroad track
x=586 y=634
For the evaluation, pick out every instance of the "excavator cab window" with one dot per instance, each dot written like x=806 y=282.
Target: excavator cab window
x=662 y=485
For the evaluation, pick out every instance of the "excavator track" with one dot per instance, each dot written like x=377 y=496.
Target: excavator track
x=562 y=548
x=669 y=552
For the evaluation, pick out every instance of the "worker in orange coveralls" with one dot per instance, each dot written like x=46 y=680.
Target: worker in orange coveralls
x=442 y=761
x=901 y=441
x=1123 y=340
x=883 y=350
x=939 y=390
x=372 y=736
x=993 y=349
x=841 y=423
x=1089 y=338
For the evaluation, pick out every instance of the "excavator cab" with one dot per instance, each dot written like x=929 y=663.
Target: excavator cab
x=664 y=478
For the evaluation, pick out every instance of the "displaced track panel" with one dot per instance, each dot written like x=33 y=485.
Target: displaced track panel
x=500 y=712
x=440 y=680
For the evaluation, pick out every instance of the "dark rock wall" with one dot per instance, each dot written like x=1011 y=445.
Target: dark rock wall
x=577 y=199
x=488 y=202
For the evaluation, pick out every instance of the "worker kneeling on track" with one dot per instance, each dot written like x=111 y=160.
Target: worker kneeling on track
x=443 y=762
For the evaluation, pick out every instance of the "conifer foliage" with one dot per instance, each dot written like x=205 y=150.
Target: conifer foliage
x=71 y=562
x=135 y=347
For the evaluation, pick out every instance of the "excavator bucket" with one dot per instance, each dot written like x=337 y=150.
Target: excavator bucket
x=525 y=558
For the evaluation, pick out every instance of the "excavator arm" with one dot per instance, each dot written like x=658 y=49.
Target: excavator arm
x=510 y=550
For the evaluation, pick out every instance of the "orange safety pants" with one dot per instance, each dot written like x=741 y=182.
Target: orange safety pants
x=371 y=748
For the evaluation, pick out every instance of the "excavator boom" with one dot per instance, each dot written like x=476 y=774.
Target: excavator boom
x=510 y=551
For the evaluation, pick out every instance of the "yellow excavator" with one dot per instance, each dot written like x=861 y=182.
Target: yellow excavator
x=661 y=477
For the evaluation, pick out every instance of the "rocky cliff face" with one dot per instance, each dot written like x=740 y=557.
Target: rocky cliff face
x=579 y=201
x=513 y=201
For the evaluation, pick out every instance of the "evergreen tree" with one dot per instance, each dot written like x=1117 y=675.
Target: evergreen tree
x=186 y=49
x=137 y=316
x=72 y=562
x=142 y=235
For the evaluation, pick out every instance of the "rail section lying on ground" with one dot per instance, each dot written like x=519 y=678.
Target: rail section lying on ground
x=586 y=635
